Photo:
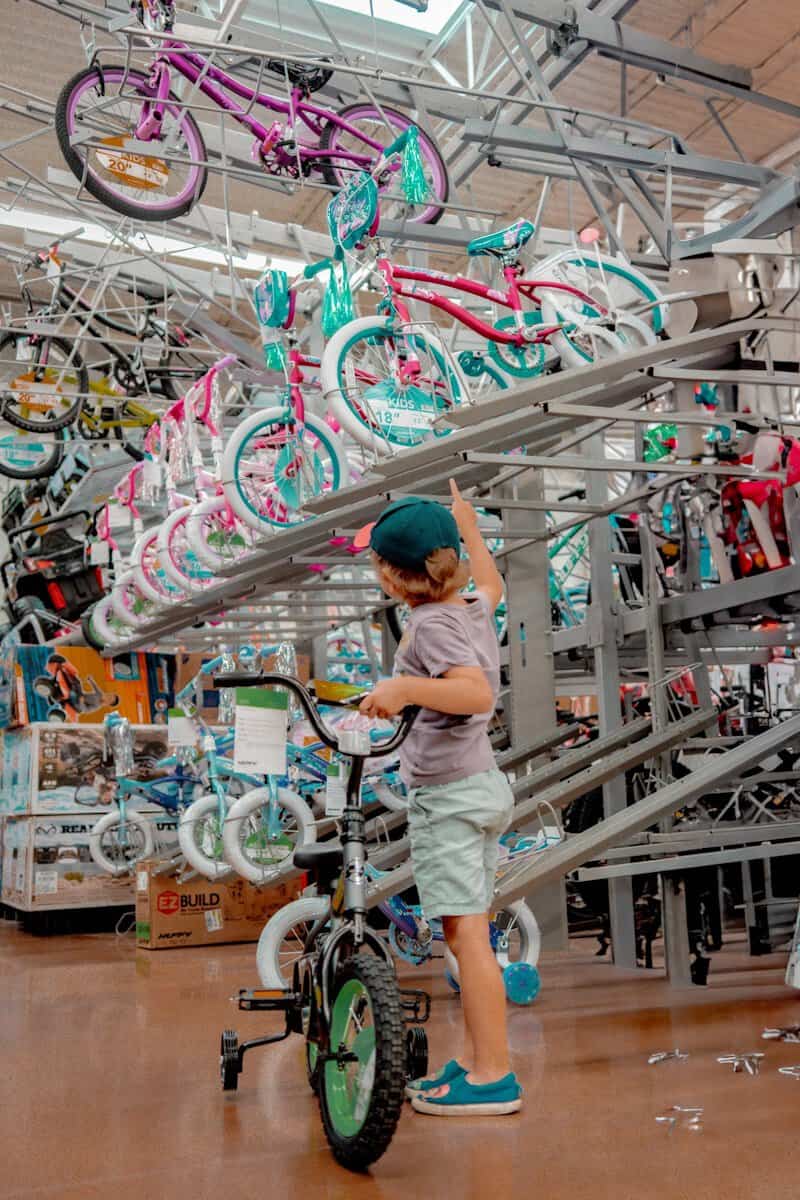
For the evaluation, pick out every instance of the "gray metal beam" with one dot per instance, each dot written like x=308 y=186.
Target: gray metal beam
x=584 y=847
x=690 y=862
x=607 y=152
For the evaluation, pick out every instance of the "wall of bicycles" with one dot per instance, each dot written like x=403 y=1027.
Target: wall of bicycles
x=166 y=429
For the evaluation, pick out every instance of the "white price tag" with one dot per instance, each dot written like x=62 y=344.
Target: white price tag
x=259 y=744
x=119 y=517
x=180 y=729
x=99 y=554
x=335 y=789
x=141 y=881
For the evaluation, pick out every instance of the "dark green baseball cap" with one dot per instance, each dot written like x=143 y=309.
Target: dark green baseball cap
x=409 y=530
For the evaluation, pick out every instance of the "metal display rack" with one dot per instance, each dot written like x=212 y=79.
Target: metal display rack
x=503 y=111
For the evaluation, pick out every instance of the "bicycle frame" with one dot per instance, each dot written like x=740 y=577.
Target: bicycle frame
x=394 y=276
x=211 y=80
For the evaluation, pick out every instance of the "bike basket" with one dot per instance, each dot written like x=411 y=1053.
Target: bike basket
x=353 y=211
x=308 y=79
x=273 y=299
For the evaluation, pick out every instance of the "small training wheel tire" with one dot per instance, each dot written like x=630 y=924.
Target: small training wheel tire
x=416 y=1053
x=229 y=1060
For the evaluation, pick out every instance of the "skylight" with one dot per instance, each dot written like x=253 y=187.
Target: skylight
x=433 y=21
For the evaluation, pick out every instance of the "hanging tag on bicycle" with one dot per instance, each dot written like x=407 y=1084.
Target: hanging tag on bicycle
x=151 y=473
x=355 y=741
x=260 y=731
x=99 y=554
x=119 y=517
x=180 y=729
x=335 y=789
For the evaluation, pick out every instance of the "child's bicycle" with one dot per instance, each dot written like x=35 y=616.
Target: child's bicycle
x=344 y=997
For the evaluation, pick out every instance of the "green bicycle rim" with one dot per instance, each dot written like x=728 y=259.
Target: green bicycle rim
x=348 y=1091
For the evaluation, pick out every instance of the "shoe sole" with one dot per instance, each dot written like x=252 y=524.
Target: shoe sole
x=500 y=1109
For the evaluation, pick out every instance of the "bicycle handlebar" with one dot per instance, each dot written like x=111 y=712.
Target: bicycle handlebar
x=314 y=268
x=271 y=679
x=398 y=145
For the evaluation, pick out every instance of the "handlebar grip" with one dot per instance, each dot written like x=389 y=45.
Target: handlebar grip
x=314 y=268
x=238 y=679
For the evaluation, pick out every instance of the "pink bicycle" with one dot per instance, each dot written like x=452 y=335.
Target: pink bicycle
x=133 y=144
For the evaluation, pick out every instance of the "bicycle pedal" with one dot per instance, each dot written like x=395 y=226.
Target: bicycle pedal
x=417 y=1004
x=265 y=999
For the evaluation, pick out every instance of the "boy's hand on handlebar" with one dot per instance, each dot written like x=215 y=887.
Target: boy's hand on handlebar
x=387 y=699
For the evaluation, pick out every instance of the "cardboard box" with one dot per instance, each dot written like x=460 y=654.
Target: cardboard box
x=202 y=913
x=76 y=685
x=50 y=768
x=47 y=863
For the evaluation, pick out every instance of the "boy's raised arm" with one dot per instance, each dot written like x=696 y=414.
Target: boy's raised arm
x=482 y=565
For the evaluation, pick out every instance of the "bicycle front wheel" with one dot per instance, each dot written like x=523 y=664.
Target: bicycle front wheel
x=200 y=837
x=361 y=1095
x=25 y=455
x=384 y=125
x=284 y=937
x=217 y=540
x=43 y=382
x=117 y=845
x=273 y=466
x=387 y=383
x=97 y=115
x=259 y=842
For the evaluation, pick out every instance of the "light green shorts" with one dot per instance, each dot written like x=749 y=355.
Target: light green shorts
x=453 y=828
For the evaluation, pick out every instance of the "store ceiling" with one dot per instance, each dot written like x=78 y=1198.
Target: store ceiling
x=43 y=49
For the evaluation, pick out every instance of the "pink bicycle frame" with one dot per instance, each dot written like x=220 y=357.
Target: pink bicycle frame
x=210 y=80
x=393 y=275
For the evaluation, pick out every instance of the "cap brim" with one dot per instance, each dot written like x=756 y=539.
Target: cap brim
x=362 y=538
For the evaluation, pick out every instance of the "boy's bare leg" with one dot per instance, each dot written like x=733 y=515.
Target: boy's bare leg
x=483 y=999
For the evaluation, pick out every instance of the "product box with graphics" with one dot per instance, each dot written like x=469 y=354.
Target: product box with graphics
x=200 y=913
x=76 y=685
x=47 y=863
x=61 y=768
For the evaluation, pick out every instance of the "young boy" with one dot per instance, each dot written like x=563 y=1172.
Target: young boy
x=459 y=802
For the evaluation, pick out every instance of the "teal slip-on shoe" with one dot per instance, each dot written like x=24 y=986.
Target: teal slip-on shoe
x=465 y=1099
x=449 y=1071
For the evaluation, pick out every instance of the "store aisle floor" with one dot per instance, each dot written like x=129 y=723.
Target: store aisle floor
x=110 y=1086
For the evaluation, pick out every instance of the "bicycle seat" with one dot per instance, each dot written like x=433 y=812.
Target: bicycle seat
x=322 y=859
x=504 y=243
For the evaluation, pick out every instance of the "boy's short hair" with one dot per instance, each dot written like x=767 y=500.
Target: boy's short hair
x=444 y=573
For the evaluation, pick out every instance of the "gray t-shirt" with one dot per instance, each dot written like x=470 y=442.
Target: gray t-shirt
x=441 y=747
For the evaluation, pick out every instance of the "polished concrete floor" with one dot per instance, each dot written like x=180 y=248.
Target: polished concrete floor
x=109 y=1087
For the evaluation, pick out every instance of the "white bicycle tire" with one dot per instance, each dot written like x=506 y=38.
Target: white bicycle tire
x=167 y=531
x=195 y=526
x=243 y=808
x=107 y=822
x=337 y=403
x=530 y=936
x=611 y=265
x=99 y=617
x=304 y=911
x=121 y=601
x=319 y=428
x=149 y=587
x=200 y=810
x=388 y=797
x=570 y=355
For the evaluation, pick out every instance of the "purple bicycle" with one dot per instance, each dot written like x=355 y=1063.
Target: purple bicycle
x=135 y=146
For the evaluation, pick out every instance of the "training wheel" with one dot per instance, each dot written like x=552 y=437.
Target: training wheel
x=416 y=1053
x=229 y=1060
x=522 y=982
